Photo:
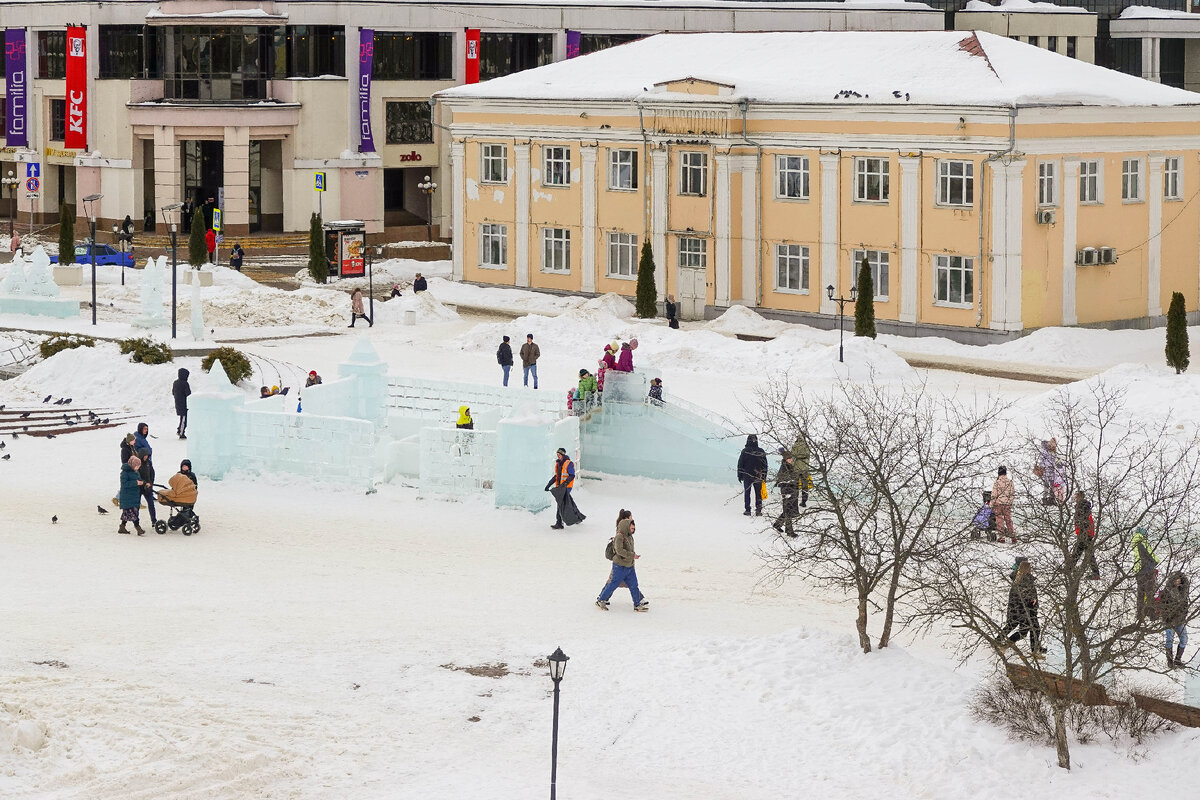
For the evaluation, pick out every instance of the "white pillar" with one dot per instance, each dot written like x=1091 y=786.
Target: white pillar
x=521 y=234
x=1070 y=243
x=167 y=188
x=751 y=247
x=1154 y=234
x=910 y=226
x=458 y=201
x=829 y=226
x=1151 y=64
x=587 y=261
x=1007 y=217
x=235 y=214
x=661 y=190
x=724 y=213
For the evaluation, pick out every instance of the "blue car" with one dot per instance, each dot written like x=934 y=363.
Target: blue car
x=105 y=254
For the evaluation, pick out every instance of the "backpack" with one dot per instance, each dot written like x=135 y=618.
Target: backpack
x=610 y=549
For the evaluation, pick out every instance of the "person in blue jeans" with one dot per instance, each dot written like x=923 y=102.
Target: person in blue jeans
x=530 y=353
x=622 y=569
x=504 y=358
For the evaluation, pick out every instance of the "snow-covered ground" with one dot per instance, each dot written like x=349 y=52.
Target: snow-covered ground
x=310 y=641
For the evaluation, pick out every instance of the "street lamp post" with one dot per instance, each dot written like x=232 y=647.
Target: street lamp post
x=371 y=276
x=558 y=665
x=12 y=180
x=168 y=213
x=841 y=301
x=123 y=237
x=428 y=187
x=87 y=207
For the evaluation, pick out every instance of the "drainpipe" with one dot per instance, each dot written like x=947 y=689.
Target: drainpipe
x=745 y=104
x=647 y=213
x=1012 y=145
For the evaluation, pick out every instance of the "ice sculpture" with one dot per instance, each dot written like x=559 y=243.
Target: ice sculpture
x=34 y=292
x=197 y=313
x=39 y=281
x=152 y=299
x=14 y=284
x=524 y=455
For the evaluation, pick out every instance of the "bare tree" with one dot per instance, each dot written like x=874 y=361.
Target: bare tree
x=892 y=470
x=1136 y=474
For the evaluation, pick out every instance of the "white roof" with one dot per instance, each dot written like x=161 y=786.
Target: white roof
x=1149 y=12
x=1023 y=7
x=844 y=67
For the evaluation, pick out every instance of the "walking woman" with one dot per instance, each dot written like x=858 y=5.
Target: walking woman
x=131 y=495
x=1023 y=611
x=622 y=569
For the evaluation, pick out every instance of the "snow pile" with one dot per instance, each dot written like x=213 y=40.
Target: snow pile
x=1149 y=393
x=1023 y=6
x=386 y=273
x=1149 y=12
x=611 y=304
x=427 y=307
x=516 y=301
x=746 y=321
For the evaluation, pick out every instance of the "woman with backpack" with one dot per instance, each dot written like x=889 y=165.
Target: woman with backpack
x=623 y=572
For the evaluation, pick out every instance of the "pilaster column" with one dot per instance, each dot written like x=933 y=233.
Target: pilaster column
x=724 y=222
x=829 y=220
x=751 y=246
x=1070 y=215
x=1154 y=235
x=235 y=216
x=587 y=260
x=661 y=190
x=457 y=202
x=1008 y=215
x=910 y=222
x=1151 y=59
x=521 y=234
x=166 y=171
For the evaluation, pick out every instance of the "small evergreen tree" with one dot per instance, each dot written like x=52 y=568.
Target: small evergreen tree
x=1177 y=335
x=647 y=295
x=66 y=234
x=197 y=247
x=318 y=264
x=864 y=306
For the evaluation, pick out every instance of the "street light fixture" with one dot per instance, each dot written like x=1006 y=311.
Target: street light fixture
x=168 y=214
x=87 y=209
x=12 y=180
x=558 y=665
x=428 y=187
x=123 y=237
x=841 y=301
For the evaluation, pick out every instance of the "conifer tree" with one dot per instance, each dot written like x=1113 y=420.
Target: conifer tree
x=197 y=247
x=864 y=306
x=1177 y=334
x=647 y=295
x=318 y=264
x=66 y=234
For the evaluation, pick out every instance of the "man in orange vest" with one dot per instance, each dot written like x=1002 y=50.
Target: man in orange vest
x=562 y=482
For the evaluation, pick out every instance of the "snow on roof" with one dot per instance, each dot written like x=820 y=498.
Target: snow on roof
x=954 y=68
x=1148 y=12
x=1023 y=7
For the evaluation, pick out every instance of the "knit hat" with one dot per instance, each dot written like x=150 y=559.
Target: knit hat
x=135 y=463
x=582 y=372
x=312 y=372
x=562 y=450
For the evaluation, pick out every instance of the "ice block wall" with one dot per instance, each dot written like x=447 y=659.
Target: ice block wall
x=524 y=461
x=457 y=462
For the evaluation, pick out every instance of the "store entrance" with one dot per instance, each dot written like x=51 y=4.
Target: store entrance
x=203 y=176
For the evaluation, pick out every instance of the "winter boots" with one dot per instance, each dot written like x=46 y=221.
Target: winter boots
x=1177 y=661
x=601 y=604
x=140 y=530
x=1170 y=659
x=123 y=529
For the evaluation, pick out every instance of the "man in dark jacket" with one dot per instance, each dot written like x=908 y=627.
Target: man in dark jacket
x=420 y=284
x=504 y=358
x=1085 y=534
x=141 y=440
x=752 y=471
x=146 y=474
x=788 y=481
x=180 y=390
x=1174 y=599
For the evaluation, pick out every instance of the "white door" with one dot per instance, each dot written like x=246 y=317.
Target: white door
x=692 y=292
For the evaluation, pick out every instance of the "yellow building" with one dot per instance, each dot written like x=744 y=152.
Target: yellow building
x=992 y=186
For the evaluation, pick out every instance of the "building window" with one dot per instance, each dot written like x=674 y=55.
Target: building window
x=878 y=261
x=622 y=255
x=791 y=177
x=493 y=246
x=314 y=50
x=556 y=250
x=1071 y=43
x=556 y=166
x=1047 y=194
x=1131 y=180
x=956 y=183
x=123 y=52
x=622 y=169
x=408 y=123
x=1172 y=178
x=201 y=63
x=954 y=280
x=693 y=174
x=52 y=54
x=594 y=42
x=495 y=163
x=503 y=54
x=58 y=120
x=1052 y=44
x=791 y=268
x=692 y=253
x=413 y=56
x=1033 y=40
x=1089 y=182
x=871 y=180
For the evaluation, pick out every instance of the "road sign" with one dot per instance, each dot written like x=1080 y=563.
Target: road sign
x=319 y=181
x=217 y=220
x=33 y=170
x=32 y=184
x=32 y=195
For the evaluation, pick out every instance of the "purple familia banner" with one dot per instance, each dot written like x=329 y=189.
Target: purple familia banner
x=16 y=81
x=366 y=57
x=572 y=44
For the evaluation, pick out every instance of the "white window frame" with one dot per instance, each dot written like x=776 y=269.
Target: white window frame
x=556 y=165
x=1133 y=181
x=693 y=173
x=1172 y=178
x=1047 y=184
x=489 y=158
x=866 y=168
x=493 y=231
x=620 y=245
x=556 y=250
x=880 y=261
x=790 y=170
x=616 y=165
x=787 y=257
x=950 y=264
x=1091 y=170
x=693 y=252
x=951 y=172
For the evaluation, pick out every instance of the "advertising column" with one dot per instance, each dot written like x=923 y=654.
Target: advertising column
x=76 y=138
x=366 y=58
x=472 y=74
x=16 y=131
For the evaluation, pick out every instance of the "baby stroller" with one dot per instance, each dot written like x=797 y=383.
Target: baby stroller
x=183 y=515
x=985 y=519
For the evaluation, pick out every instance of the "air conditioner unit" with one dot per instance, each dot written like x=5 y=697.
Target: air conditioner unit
x=1045 y=216
x=1108 y=255
x=1087 y=257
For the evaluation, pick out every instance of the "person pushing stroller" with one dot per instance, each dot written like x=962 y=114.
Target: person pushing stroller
x=180 y=496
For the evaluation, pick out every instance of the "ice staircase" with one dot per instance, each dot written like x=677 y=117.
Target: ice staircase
x=675 y=440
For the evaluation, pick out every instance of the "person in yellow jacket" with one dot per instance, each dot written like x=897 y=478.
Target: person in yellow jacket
x=1145 y=571
x=464 y=419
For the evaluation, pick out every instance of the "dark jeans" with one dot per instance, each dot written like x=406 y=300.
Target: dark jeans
x=1085 y=545
x=507 y=368
x=756 y=487
x=148 y=493
x=1031 y=626
x=1147 y=582
x=790 y=509
x=354 y=318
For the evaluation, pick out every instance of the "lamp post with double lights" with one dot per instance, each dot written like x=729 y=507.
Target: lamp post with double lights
x=12 y=180
x=169 y=212
x=87 y=209
x=558 y=665
x=428 y=187
x=123 y=237
x=841 y=301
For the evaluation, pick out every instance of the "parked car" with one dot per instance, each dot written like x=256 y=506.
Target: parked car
x=105 y=254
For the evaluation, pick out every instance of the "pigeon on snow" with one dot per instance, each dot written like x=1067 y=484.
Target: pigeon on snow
x=102 y=509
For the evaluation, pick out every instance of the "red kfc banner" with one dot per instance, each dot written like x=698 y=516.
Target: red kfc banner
x=472 y=75
x=76 y=88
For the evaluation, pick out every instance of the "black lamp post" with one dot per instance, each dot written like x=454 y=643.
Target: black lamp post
x=87 y=207
x=168 y=213
x=841 y=301
x=123 y=237
x=12 y=180
x=558 y=665
x=370 y=277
